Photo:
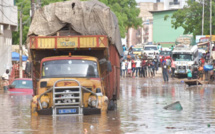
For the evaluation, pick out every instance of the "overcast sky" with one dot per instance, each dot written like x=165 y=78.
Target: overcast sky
x=147 y=0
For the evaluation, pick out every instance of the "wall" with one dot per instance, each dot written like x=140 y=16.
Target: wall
x=162 y=30
x=5 y=50
x=144 y=35
x=8 y=23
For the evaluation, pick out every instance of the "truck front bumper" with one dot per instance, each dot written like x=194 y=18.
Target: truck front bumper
x=86 y=111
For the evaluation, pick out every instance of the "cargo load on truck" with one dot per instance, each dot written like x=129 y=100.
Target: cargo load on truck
x=84 y=17
x=186 y=40
x=75 y=49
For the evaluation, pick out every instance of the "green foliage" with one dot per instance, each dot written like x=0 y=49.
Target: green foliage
x=126 y=12
x=25 y=6
x=190 y=18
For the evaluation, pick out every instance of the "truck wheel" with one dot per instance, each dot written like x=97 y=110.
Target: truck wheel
x=111 y=105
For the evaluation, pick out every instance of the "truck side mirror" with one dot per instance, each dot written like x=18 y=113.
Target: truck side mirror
x=102 y=61
x=109 y=67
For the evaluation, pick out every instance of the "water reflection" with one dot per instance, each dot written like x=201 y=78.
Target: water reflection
x=140 y=110
x=145 y=114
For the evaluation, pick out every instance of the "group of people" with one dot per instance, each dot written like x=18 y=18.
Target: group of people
x=137 y=67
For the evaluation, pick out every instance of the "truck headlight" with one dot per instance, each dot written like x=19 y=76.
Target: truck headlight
x=44 y=104
x=92 y=101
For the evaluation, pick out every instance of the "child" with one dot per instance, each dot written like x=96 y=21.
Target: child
x=201 y=72
x=189 y=74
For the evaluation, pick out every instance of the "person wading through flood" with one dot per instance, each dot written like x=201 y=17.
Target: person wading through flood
x=143 y=71
x=129 y=67
x=156 y=63
x=172 y=68
x=138 y=67
x=133 y=62
x=165 y=72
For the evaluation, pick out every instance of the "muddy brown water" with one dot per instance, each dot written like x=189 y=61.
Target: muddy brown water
x=140 y=111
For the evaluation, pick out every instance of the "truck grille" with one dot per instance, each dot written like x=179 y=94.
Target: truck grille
x=182 y=67
x=67 y=100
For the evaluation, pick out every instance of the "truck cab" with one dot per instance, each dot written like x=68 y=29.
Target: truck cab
x=184 y=57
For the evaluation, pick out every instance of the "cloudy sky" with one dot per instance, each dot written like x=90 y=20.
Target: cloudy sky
x=147 y=0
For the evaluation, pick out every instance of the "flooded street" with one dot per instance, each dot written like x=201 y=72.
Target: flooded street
x=140 y=110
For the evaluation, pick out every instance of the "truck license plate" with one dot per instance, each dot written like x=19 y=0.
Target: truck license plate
x=181 y=71
x=66 y=111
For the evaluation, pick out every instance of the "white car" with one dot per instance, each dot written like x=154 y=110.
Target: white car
x=150 y=50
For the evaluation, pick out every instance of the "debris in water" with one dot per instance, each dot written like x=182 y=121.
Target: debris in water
x=170 y=127
x=91 y=126
x=174 y=106
x=209 y=125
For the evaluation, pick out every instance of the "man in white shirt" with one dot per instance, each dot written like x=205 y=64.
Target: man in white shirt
x=5 y=78
x=123 y=68
x=138 y=66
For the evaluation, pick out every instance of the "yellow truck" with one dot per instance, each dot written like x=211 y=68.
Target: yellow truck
x=75 y=49
x=68 y=76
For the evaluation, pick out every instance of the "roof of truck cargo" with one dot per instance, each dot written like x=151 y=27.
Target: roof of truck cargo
x=84 y=17
x=75 y=57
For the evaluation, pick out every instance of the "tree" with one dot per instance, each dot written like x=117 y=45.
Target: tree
x=190 y=18
x=126 y=12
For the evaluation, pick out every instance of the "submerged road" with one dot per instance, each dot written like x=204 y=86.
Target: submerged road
x=139 y=111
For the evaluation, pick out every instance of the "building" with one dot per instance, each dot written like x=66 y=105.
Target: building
x=174 y=4
x=163 y=32
x=144 y=34
x=8 y=24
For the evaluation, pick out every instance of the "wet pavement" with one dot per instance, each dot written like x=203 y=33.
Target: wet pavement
x=140 y=111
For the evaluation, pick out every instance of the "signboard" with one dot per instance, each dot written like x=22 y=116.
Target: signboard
x=59 y=42
x=67 y=42
x=200 y=36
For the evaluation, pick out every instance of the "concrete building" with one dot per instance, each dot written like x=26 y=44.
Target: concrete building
x=144 y=34
x=174 y=4
x=8 y=23
x=162 y=29
x=163 y=32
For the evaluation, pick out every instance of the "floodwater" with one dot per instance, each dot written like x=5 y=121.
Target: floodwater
x=140 y=111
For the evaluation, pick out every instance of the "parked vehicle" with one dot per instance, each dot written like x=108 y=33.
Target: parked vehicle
x=137 y=50
x=21 y=86
x=167 y=56
x=150 y=50
x=184 y=57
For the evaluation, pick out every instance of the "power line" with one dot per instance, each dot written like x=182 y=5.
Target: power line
x=7 y=17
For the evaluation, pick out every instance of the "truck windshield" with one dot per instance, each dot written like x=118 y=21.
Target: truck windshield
x=69 y=68
x=182 y=57
x=137 y=49
x=150 y=48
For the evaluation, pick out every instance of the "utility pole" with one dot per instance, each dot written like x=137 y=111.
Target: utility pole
x=33 y=8
x=203 y=16
x=38 y=4
x=20 y=45
x=210 y=27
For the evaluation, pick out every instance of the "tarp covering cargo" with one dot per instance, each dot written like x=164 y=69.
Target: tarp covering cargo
x=84 y=17
x=185 y=40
